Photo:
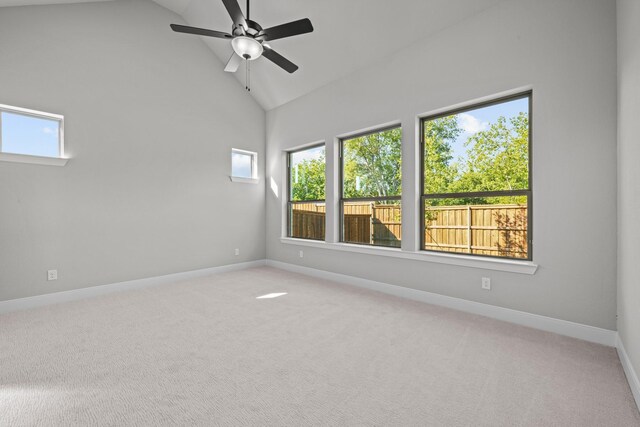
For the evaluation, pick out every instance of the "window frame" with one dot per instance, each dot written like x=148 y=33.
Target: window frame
x=527 y=192
x=59 y=160
x=254 y=166
x=290 y=203
x=342 y=199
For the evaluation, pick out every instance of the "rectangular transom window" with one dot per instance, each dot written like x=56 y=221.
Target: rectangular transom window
x=371 y=189
x=306 y=204
x=476 y=180
x=30 y=133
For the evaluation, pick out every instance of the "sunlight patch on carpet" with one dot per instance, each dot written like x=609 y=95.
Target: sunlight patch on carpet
x=274 y=295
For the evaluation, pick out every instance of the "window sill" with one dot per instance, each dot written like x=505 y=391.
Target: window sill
x=34 y=160
x=511 y=266
x=244 y=180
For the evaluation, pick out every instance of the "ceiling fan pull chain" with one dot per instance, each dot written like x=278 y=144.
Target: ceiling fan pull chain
x=247 y=75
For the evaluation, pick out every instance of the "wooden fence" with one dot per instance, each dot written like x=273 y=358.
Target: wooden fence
x=308 y=221
x=372 y=223
x=368 y=223
x=498 y=230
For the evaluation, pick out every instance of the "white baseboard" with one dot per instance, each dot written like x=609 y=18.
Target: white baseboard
x=562 y=327
x=76 y=294
x=632 y=377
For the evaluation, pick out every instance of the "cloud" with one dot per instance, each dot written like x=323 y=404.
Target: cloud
x=471 y=124
x=49 y=131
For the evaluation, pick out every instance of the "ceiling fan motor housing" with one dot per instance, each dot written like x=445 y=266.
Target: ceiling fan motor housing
x=252 y=29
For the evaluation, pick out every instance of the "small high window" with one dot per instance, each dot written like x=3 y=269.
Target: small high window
x=306 y=203
x=244 y=166
x=477 y=180
x=30 y=133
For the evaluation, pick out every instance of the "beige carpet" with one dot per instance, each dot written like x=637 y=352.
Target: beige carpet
x=207 y=352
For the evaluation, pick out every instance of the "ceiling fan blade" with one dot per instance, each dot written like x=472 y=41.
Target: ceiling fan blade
x=200 y=31
x=233 y=63
x=235 y=12
x=278 y=59
x=301 y=26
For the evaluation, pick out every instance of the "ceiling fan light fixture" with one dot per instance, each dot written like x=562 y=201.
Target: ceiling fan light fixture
x=247 y=47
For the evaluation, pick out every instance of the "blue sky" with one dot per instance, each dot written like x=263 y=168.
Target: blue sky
x=478 y=120
x=29 y=135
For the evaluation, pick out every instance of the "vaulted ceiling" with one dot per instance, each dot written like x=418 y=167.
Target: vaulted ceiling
x=349 y=35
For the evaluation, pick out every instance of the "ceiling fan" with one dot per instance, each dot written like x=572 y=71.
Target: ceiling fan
x=248 y=38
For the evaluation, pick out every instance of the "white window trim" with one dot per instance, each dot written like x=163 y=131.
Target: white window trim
x=30 y=159
x=244 y=180
x=254 y=167
x=34 y=160
x=487 y=263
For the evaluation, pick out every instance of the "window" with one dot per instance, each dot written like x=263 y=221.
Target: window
x=371 y=188
x=244 y=166
x=476 y=170
x=30 y=133
x=306 y=204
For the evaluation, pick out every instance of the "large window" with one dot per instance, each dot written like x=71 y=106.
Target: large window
x=306 y=204
x=31 y=133
x=477 y=181
x=371 y=188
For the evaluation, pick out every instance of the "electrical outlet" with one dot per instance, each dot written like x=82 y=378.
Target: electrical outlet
x=237 y=252
x=301 y=254
x=52 y=274
x=486 y=283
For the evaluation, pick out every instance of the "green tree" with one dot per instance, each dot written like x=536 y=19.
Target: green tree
x=497 y=159
x=372 y=165
x=308 y=180
x=439 y=171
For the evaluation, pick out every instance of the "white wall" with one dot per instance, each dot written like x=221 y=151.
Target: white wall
x=629 y=178
x=150 y=122
x=566 y=51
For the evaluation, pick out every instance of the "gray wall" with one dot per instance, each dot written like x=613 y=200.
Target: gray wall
x=566 y=51
x=150 y=122
x=629 y=178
